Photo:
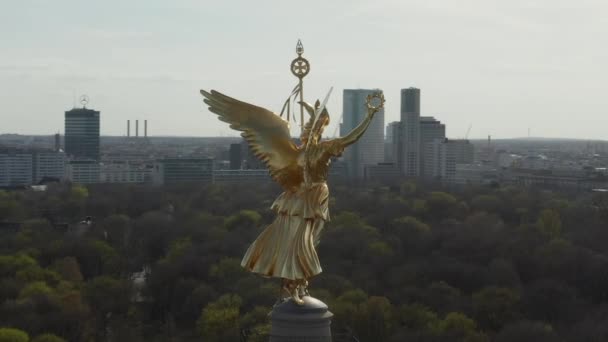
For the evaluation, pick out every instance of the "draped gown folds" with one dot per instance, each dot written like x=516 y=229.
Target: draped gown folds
x=286 y=248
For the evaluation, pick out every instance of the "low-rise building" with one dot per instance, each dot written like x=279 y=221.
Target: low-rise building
x=20 y=167
x=125 y=172
x=83 y=171
x=382 y=172
x=48 y=164
x=177 y=170
x=475 y=174
x=241 y=176
x=15 y=168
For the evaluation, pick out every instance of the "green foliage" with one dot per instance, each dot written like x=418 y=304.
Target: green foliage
x=37 y=288
x=69 y=269
x=550 y=223
x=441 y=204
x=219 y=321
x=108 y=295
x=178 y=248
x=400 y=264
x=227 y=271
x=10 y=264
x=245 y=219
x=527 y=331
x=48 y=338
x=495 y=306
x=79 y=193
x=418 y=317
x=487 y=203
x=13 y=335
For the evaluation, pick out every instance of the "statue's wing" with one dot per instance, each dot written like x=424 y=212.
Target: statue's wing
x=266 y=133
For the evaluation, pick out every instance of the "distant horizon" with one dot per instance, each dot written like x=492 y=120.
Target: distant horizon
x=504 y=67
x=236 y=136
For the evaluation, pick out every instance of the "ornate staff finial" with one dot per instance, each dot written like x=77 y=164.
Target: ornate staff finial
x=300 y=68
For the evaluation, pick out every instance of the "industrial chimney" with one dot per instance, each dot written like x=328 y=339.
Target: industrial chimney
x=145 y=128
x=128 y=128
x=136 y=128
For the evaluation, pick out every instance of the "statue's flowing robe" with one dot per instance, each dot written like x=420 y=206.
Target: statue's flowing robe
x=286 y=248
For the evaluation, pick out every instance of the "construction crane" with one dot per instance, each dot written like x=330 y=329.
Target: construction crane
x=466 y=136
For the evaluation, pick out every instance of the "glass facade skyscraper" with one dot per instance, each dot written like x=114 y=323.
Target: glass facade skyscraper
x=369 y=150
x=410 y=125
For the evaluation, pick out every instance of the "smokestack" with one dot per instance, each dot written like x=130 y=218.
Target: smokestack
x=128 y=128
x=145 y=128
x=57 y=142
x=136 y=128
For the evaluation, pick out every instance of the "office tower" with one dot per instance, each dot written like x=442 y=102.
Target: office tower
x=430 y=130
x=369 y=150
x=393 y=140
x=82 y=133
x=410 y=126
x=236 y=156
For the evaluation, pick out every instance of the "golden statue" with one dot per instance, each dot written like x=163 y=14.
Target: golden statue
x=286 y=248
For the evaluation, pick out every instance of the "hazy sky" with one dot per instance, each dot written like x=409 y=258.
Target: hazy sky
x=500 y=66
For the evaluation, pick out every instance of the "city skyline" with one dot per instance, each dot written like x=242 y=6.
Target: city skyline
x=504 y=68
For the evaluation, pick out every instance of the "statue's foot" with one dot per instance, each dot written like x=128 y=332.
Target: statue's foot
x=295 y=296
x=303 y=288
x=291 y=289
x=285 y=291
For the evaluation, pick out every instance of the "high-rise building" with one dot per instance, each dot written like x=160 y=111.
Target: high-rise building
x=82 y=133
x=392 y=142
x=409 y=153
x=369 y=150
x=430 y=130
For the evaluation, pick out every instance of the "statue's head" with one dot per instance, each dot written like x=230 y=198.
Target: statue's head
x=319 y=124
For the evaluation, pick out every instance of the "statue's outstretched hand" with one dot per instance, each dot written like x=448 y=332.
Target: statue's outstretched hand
x=374 y=102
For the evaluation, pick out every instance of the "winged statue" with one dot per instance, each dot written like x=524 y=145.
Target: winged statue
x=286 y=248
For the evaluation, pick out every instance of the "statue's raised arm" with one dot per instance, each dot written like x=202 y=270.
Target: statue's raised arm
x=374 y=103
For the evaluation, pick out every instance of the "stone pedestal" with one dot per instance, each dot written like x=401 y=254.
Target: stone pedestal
x=301 y=323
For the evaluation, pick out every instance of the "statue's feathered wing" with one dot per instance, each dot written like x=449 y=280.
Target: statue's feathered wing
x=266 y=132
